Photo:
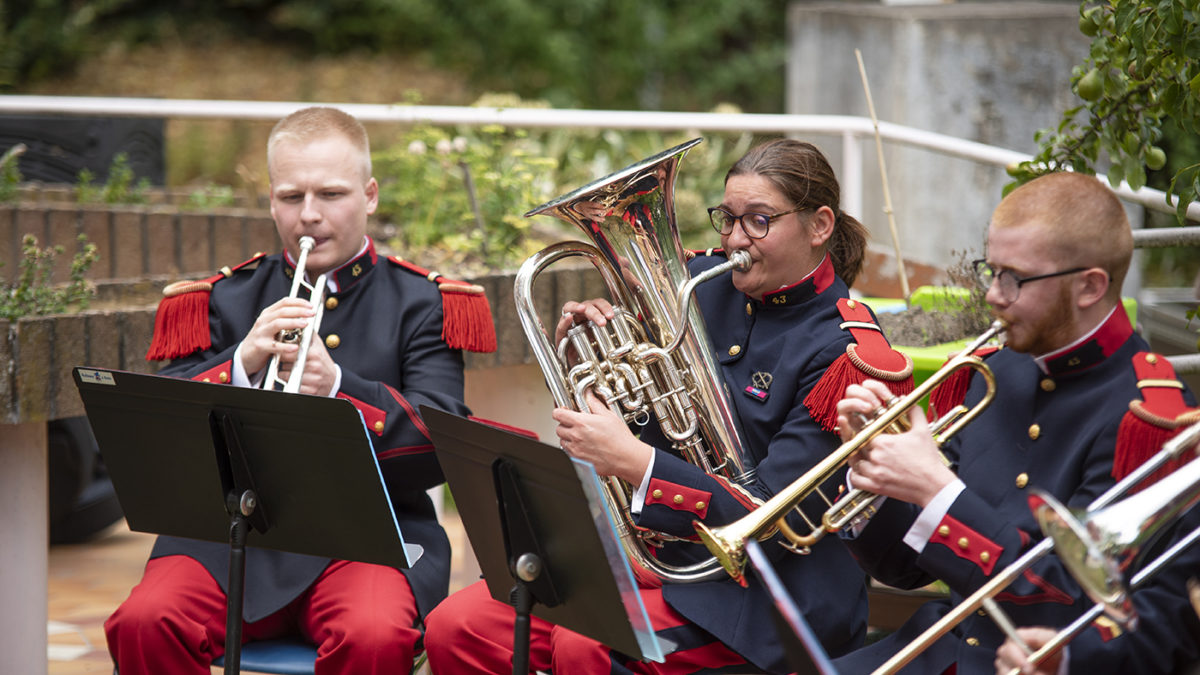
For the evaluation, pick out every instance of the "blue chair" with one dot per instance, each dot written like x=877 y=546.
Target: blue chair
x=284 y=656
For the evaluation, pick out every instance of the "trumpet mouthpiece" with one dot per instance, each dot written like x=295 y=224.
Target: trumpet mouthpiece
x=740 y=260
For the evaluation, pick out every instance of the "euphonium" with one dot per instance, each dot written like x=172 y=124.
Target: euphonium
x=653 y=357
x=728 y=542
x=304 y=336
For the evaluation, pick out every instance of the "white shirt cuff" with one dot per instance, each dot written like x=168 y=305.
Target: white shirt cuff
x=639 y=495
x=922 y=529
x=239 y=376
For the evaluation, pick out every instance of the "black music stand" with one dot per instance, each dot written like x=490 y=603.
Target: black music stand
x=535 y=518
x=803 y=651
x=209 y=461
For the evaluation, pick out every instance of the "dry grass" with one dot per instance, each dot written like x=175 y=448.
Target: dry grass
x=231 y=152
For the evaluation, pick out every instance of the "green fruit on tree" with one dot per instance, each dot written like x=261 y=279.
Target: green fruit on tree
x=1090 y=86
x=1155 y=158
x=1088 y=24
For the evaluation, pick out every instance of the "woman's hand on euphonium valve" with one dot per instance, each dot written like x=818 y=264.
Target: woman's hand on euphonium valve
x=261 y=343
x=597 y=310
x=602 y=438
x=907 y=466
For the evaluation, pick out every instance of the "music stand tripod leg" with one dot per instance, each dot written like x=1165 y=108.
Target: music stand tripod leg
x=245 y=512
x=526 y=560
x=239 y=527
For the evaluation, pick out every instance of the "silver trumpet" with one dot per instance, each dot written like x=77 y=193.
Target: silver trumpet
x=303 y=337
x=1097 y=550
x=1101 y=547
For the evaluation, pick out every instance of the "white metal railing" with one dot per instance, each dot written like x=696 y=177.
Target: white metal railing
x=852 y=130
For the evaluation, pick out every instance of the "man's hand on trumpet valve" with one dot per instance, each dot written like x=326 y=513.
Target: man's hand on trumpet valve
x=906 y=466
x=602 y=438
x=260 y=344
x=320 y=372
x=1011 y=656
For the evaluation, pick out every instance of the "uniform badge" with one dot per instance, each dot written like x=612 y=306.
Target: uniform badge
x=760 y=382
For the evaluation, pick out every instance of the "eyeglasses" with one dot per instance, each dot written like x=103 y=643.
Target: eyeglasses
x=755 y=225
x=1008 y=283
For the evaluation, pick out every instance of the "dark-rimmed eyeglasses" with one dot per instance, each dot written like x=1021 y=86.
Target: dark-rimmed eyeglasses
x=1008 y=282
x=755 y=225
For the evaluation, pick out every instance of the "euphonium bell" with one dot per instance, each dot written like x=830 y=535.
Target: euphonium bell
x=653 y=358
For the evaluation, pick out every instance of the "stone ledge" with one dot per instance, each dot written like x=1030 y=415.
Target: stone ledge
x=37 y=354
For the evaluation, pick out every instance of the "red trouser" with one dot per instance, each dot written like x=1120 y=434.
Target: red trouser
x=362 y=618
x=470 y=633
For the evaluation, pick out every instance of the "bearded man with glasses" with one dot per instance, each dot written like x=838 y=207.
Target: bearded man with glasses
x=1080 y=401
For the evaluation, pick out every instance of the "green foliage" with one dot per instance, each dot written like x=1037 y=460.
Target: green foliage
x=118 y=188
x=31 y=293
x=10 y=173
x=209 y=196
x=41 y=37
x=467 y=189
x=1142 y=73
x=464 y=192
x=613 y=54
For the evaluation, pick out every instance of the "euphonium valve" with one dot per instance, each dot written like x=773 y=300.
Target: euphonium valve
x=653 y=359
x=304 y=336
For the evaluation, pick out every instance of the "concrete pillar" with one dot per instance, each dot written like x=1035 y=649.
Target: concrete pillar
x=514 y=395
x=23 y=547
x=992 y=72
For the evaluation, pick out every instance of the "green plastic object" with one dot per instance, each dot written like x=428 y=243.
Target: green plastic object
x=927 y=360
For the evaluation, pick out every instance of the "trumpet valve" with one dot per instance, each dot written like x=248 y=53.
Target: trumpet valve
x=290 y=335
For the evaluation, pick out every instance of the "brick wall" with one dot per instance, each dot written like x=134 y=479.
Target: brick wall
x=143 y=247
x=135 y=242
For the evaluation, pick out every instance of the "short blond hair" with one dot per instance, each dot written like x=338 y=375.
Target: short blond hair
x=309 y=124
x=1085 y=222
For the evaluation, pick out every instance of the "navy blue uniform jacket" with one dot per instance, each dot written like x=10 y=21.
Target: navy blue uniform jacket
x=793 y=337
x=1056 y=431
x=393 y=359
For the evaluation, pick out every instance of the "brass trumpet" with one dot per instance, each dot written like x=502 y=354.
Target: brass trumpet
x=727 y=543
x=304 y=336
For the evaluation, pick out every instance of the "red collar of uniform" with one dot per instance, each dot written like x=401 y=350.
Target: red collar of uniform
x=349 y=273
x=807 y=288
x=1092 y=349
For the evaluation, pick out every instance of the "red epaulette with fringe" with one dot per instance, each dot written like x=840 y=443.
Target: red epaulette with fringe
x=466 y=315
x=870 y=356
x=706 y=252
x=953 y=390
x=181 y=322
x=1154 y=420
